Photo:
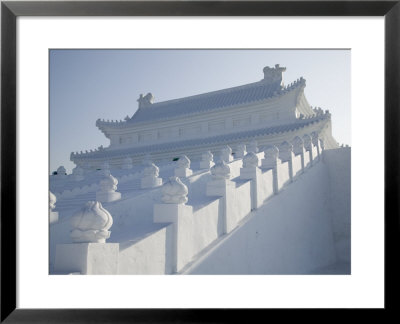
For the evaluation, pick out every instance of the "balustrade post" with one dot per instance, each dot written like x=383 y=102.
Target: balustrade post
x=220 y=185
x=183 y=167
x=286 y=155
x=298 y=149
x=251 y=171
x=226 y=154
x=308 y=146
x=108 y=187
x=271 y=161
x=315 y=142
x=240 y=151
x=174 y=210
x=207 y=160
x=89 y=253
x=150 y=177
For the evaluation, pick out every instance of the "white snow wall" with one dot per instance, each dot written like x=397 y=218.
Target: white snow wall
x=338 y=162
x=196 y=231
x=292 y=232
x=303 y=228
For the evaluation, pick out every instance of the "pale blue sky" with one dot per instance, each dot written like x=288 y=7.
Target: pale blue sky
x=89 y=84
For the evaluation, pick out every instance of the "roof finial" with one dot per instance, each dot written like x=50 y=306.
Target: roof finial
x=274 y=75
x=145 y=101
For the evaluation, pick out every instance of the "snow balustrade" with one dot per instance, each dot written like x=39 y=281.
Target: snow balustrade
x=189 y=231
x=85 y=187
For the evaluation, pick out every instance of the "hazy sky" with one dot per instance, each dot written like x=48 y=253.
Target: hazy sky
x=89 y=84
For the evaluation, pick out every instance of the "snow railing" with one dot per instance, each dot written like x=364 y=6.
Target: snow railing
x=189 y=231
x=85 y=188
x=234 y=199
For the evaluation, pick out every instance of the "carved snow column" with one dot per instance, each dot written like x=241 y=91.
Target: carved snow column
x=91 y=224
x=174 y=192
x=207 y=160
x=127 y=163
x=271 y=161
x=89 y=253
x=108 y=187
x=251 y=171
x=250 y=168
x=221 y=174
x=226 y=154
x=77 y=173
x=61 y=172
x=298 y=149
x=240 y=151
x=315 y=142
x=286 y=155
x=173 y=209
x=183 y=169
x=308 y=146
x=105 y=168
x=150 y=177
x=53 y=216
x=252 y=147
x=221 y=185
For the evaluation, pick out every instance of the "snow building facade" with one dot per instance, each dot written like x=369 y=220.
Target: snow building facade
x=259 y=114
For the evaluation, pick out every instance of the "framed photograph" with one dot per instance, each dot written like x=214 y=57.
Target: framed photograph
x=199 y=117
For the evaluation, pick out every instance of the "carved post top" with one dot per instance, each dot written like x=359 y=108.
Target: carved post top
x=108 y=183
x=174 y=191
x=183 y=162
x=226 y=150
x=207 y=156
x=314 y=138
x=61 y=170
x=145 y=101
x=250 y=160
x=221 y=170
x=285 y=147
x=271 y=151
x=273 y=75
x=151 y=170
x=298 y=142
x=92 y=216
x=307 y=142
x=298 y=145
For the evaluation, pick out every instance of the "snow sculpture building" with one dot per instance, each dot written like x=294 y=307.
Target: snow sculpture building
x=266 y=112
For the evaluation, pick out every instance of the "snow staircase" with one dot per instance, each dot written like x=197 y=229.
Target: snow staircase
x=258 y=224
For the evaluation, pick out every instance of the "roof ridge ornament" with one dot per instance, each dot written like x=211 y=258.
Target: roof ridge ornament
x=274 y=75
x=145 y=101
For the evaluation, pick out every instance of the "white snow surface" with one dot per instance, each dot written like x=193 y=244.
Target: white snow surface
x=292 y=232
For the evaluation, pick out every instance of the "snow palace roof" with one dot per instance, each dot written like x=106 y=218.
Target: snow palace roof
x=271 y=85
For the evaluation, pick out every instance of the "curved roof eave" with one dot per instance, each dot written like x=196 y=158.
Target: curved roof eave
x=165 y=147
x=104 y=126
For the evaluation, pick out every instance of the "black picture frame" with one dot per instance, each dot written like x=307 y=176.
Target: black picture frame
x=10 y=10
